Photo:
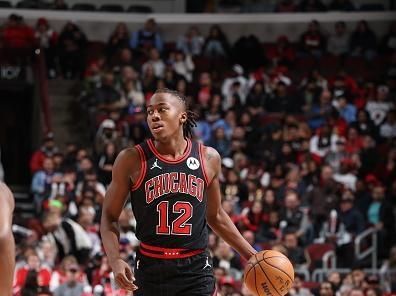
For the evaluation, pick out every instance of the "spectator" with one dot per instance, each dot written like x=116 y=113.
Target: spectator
x=59 y=5
x=319 y=111
x=156 y=62
x=364 y=125
x=312 y=41
x=147 y=38
x=226 y=258
x=131 y=93
x=311 y=6
x=379 y=107
x=323 y=197
x=71 y=287
x=298 y=289
x=363 y=41
x=107 y=97
x=256 y=99
x=42 y=183
x=338 y=43
x=341 y=5
x=323 y=142
x=118 y=40
x=388 y=43
x=326 y=289
x=47 y=39
x=68 y=236
x=296 y=219
x=106 y=133
x=184 y=65
x=252 y=217
x=71 y=51
x=106 y=161
x=295 y=253
x=29 y=273
x=58 y=276
x=380 y=215
x=388 y=128
x=149 y=80
x=47 y=149
x=354 y=224
x=17 y=35
x=191 y=42
x=216 y=44
x=283 y=54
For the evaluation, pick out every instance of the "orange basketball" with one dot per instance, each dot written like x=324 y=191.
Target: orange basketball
x=269 y=273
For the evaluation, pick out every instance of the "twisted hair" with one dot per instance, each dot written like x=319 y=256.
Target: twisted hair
x=190 y=123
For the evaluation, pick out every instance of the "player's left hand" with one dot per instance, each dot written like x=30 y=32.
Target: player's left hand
x=123 y=275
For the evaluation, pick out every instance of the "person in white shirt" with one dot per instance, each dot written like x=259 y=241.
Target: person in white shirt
x=388 y=129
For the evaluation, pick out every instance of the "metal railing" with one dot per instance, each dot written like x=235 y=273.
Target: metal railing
x=371 y=250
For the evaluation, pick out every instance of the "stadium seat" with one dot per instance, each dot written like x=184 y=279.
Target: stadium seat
x=329 y=64
x=305 y=65
x=372 y=7
x=111 y=8
x=83 y=7
x=356 y=66
x=140 y=9
x=5 y=4
x=315 y=253
x=29 y=4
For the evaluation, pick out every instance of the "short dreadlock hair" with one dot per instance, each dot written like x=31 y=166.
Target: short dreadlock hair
x=190 y=123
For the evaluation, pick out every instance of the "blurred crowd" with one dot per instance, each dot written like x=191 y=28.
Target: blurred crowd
x=307 y=144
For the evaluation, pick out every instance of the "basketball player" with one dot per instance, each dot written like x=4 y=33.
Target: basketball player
x=175 y=193
x=7 y=244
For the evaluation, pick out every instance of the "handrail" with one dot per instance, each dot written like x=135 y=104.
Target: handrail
x=41 y=73
x=329 y=257
x=359 y=254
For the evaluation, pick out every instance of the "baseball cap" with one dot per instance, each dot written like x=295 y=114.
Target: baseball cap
x=228 y=162
x=108 y=123
x=238 y=69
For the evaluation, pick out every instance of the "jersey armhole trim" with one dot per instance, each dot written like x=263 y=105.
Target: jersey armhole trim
x=143 y=167
x=201 y=159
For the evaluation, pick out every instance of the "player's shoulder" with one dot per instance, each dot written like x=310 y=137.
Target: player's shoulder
x=6 y=194
x=211 y=155
x=130 y=156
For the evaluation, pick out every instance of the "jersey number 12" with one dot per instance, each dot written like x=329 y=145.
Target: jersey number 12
x=179 y=226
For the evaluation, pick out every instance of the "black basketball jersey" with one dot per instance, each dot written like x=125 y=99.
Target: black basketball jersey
x=169 y=200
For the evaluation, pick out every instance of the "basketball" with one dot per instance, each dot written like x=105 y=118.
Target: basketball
x=269 y=273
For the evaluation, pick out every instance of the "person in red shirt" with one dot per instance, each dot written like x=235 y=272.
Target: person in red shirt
x=18 y=35
x=32 y=263
x=312 y=41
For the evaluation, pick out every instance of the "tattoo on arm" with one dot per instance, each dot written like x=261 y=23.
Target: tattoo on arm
x=209 y=156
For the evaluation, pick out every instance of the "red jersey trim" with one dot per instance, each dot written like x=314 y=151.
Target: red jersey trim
x=160 y=157
x=143 y=168
x=201 y=159
x=167 y=253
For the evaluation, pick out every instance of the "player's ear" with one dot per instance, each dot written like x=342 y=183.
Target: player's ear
x=183 y=118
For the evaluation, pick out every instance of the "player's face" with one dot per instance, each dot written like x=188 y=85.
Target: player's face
x=165 y=116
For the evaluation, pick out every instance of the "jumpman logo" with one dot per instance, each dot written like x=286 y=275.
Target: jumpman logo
x=137 y=264
x=155 y=165
x=207 y=263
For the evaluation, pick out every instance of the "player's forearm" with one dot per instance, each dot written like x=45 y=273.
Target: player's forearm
x=7 y=262
x=222 y=225
x=110 y=237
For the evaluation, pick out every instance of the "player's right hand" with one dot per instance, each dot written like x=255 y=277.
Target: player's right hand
x=123 y=275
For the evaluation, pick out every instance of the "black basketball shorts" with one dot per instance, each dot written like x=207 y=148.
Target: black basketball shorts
x=191 y=276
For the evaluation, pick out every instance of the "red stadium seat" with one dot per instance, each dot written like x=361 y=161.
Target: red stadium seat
x=329 y=64
x=315 y=253
x=356 y=66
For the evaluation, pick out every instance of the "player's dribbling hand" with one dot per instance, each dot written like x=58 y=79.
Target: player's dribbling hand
x=123 y=275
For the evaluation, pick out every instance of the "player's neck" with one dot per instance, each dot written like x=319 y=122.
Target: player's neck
x=174 y=147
